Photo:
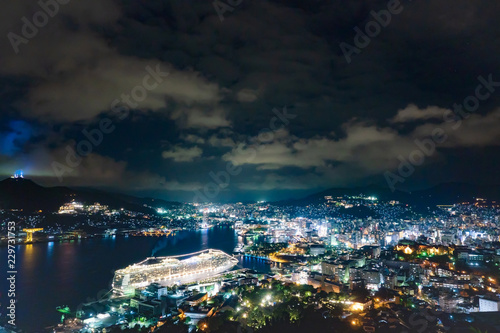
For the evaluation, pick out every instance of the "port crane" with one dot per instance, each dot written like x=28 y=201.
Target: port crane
x=29 y=233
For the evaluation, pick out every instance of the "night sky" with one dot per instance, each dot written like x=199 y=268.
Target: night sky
x=175 y=93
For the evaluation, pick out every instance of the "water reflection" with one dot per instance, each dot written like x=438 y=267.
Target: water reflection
x=50 y=250
x=55 y=273
x=204 y=239
x=28 y=259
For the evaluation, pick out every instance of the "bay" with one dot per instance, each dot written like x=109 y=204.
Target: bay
x=69 y=273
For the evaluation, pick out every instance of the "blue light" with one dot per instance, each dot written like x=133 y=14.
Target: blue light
x=18 y=134
x=19 y=174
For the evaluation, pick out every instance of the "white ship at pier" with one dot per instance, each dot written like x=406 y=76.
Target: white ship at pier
x=172 y=270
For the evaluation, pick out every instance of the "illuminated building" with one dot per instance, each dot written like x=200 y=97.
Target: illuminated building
x=96 y=208
x=172 y=270
x=488 y=305
x=204 y=224
x=421 y=250
x=18 y=175
x=71 y=208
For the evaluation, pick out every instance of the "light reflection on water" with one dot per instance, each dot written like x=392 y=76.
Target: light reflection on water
x=53 y=274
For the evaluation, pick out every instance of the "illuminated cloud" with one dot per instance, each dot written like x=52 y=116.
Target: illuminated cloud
x=413 y=113
x=179 y=154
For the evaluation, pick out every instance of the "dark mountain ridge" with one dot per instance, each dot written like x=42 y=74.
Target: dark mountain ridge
x=25 y=194
x=442 y=194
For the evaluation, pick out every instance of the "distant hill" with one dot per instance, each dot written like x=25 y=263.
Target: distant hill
x=21 y=193
x=443 y=194
x=450 y=193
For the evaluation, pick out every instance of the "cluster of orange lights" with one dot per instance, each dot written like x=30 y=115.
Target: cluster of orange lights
x=422 y=250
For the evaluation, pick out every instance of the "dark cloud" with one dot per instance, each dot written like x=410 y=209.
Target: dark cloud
x=14 y=136
x=225 y=79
